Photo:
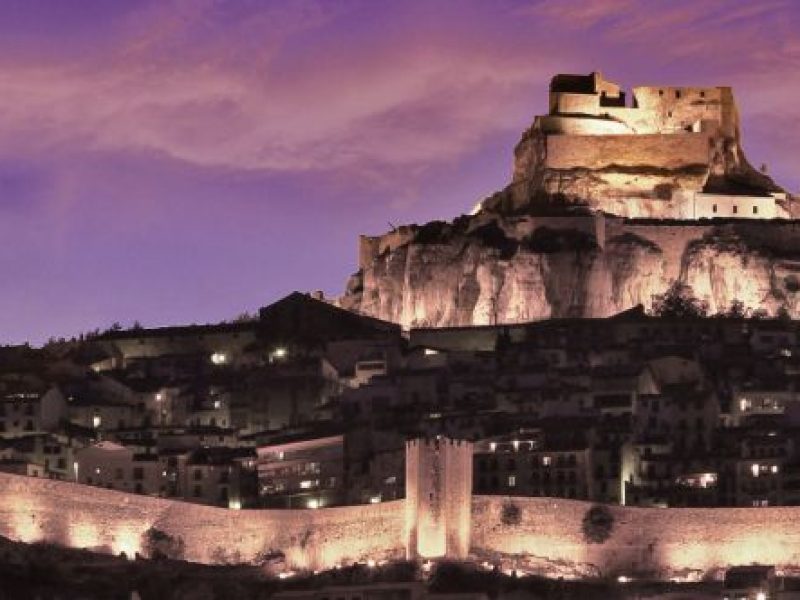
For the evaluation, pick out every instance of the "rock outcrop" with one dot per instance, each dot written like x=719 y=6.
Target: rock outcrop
x=510 y=270
x=609 y=206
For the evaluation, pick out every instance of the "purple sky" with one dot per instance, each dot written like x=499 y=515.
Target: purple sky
x=183 y=161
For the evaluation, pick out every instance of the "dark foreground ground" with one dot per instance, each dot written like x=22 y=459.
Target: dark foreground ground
x=46 y=572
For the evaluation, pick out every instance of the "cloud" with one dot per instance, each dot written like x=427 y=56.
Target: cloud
x=196 y=84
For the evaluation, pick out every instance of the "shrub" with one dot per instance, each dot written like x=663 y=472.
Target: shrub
x=158 y=544
x=598 y=523
x=511 y=514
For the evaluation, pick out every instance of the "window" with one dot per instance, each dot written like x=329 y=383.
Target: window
x=546 y=461
x=677 y=94
x=702 y=93
x=735 y=209
x=512 y=481
x=755 y=210
x=198 y=474
x=197 y=492
x=714 y=208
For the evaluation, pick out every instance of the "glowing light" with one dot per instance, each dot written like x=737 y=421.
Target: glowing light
x=96 y=421
x=492 y=446
x=219 y=358
x=313 y=503
x=159 y=397
x=217 y=404
x=371 y=563
x=306 y=484
x=235 y=504
x=761 y=596
x=546 y=460
x=774 y=468
x=375 y=500
x=431 y=352
x=516 y=444
x=285 y=574
x=755 y=469
x=278 y=353
x=623 y=579
x=84 y=535
x=127 y=540
x=512 y=481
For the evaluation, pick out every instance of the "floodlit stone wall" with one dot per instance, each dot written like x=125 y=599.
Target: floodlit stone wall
x=664 y=151
x=546 y=536
x=80 y=516
x=535 y=535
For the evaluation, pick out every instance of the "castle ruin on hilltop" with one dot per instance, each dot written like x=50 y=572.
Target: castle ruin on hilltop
x=669 y=153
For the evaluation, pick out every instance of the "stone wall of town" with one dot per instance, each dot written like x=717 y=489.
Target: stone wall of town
x=546 y=535
x=33 y=509
x=536 y=535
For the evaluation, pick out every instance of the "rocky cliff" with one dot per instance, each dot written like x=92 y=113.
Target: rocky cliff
x=492 y=269
x=594 y=222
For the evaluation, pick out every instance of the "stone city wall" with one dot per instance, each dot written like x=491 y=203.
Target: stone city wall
x=545 y=535
x=537 y=535
x=33 y=509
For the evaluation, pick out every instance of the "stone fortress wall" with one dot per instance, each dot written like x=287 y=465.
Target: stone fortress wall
x=540 y=535
x=79 y=516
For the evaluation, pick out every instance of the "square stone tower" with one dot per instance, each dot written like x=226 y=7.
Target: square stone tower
x=438 y=498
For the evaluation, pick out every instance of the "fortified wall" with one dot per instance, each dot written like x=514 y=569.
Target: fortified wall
x=530 y=535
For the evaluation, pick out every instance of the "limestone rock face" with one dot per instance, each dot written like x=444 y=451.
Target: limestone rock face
x=529 y=268
x=610 y=204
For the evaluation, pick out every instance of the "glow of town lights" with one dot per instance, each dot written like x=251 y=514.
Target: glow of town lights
x=371 y=563
x=279 y=353
x=285 y=574
x=623 y=579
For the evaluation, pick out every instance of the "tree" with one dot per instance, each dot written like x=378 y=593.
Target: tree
x=737 y=310
x=679 y=301
x=159 y=545
x=598 y=522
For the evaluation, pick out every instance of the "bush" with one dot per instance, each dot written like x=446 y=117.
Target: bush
x=598 y=522
x=511 y=514
x=158 y=544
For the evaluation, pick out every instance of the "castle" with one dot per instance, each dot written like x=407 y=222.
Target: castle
x=671 y=153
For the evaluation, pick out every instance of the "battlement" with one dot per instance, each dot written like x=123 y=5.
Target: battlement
x=591 y=105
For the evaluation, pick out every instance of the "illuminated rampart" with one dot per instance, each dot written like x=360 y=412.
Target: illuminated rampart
x=542 y=535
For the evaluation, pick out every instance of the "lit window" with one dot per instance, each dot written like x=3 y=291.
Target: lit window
x=774 y=469
x=492 y=446
x=313 y=503
x=306 y=484
x=235 y=504
x=512 y=481
x=97 y=470
x=219 y=358
x=96 y=421
x=755 y=469
x=516 y=444
x=546 y=460
x=375 y=500
x=217 y=403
